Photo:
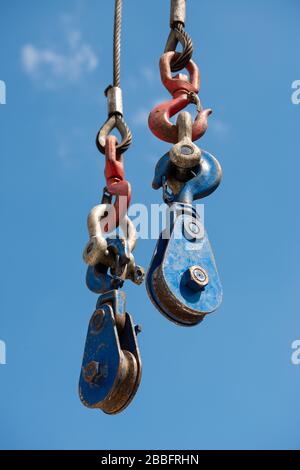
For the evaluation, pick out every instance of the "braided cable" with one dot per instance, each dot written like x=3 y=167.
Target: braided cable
x=117 y=43
x=187 y=48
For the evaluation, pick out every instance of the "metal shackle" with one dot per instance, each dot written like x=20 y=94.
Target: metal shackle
x=96 y=250
x=185 y=154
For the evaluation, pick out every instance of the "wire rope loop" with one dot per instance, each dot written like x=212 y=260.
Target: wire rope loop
x=114 y=122
x=179 y=35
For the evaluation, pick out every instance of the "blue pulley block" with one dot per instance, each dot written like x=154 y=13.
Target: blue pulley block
x=111 y=367
x=183 y=281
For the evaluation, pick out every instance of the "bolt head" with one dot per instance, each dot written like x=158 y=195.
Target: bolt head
x=98 y=319
x=139 y=274
x=90 y=372
x=197 y=278
x=194 y=228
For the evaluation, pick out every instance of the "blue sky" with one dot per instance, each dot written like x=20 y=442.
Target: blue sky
x=228 y=383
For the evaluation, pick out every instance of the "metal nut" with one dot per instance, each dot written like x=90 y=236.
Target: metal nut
x=196 y=278
x=91 y=371
x=193 y=230
x=98 y=319
x=139 y=274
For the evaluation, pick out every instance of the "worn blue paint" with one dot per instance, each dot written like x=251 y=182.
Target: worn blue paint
x=207 y=179
x=98 y=280
x=104 y=348
x=175 y=256
x=182 y=253
x=204 y=183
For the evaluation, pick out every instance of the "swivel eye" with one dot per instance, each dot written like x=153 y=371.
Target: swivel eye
x=96 y=251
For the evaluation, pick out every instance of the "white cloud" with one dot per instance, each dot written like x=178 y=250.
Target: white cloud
x=50 y=67
x=220 y=128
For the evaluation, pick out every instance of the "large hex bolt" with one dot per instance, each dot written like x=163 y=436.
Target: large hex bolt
x=94 y=372
x=98 y=320
x=90 y=372
x=196 y=278
x=138 y=275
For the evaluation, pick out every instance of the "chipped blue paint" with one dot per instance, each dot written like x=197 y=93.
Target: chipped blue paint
x=105 y=346
x=172 y=259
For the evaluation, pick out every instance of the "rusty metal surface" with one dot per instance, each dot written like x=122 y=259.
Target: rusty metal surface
x=111 y=367
x=200 y=181
x=178 y=12
x=185 y=154
x=168 y=276
x=96 y=249
x=183 y=90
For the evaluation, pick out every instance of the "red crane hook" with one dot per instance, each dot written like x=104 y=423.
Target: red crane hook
x=184 y=91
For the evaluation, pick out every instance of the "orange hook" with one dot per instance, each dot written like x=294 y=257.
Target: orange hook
x=183 y=90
